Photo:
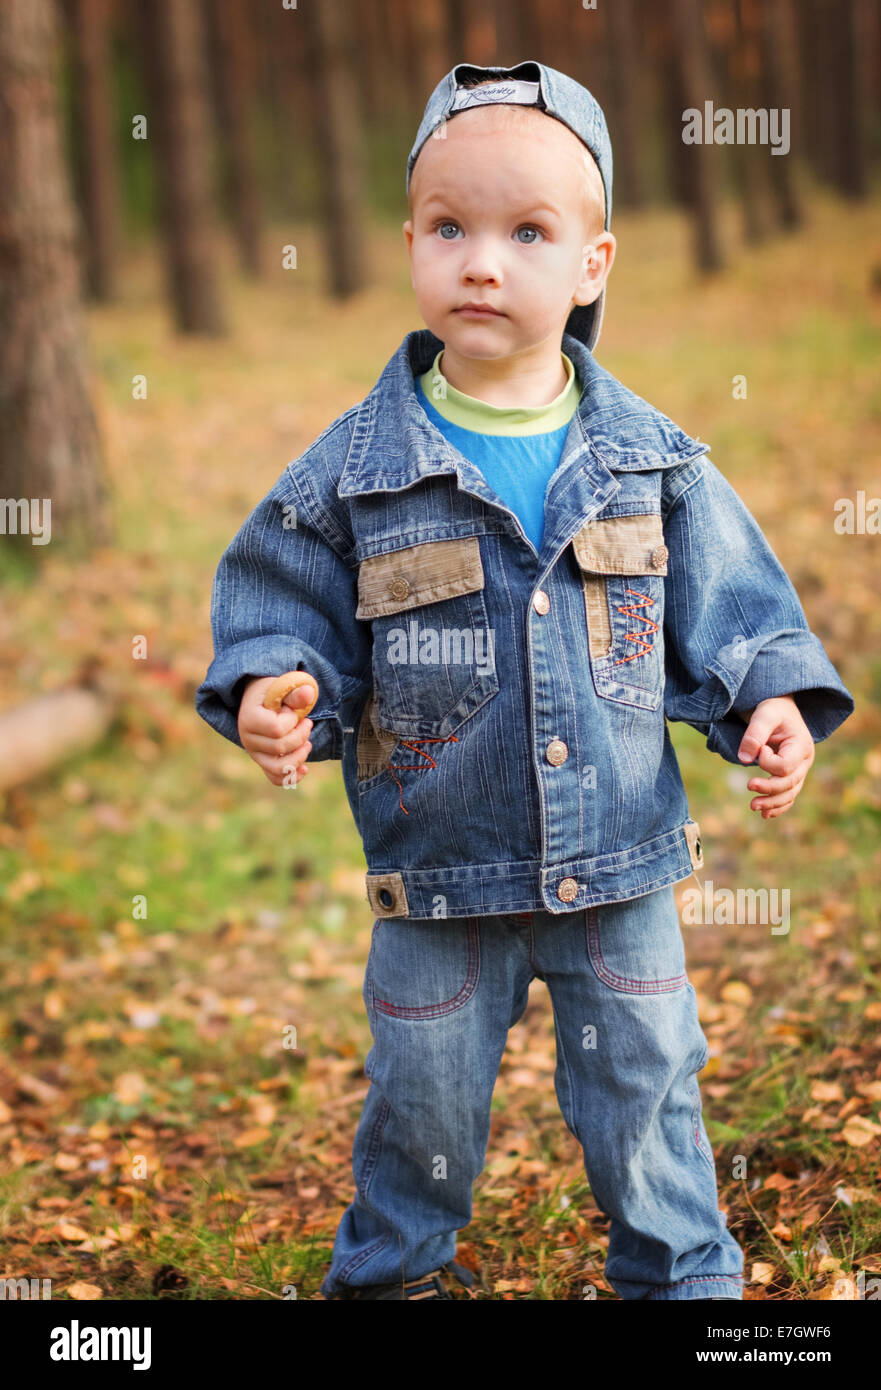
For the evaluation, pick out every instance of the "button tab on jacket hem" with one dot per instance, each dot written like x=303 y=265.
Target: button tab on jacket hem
x=693 y=840
x=387 y=895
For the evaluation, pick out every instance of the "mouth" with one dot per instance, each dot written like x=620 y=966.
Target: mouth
x=482 y=311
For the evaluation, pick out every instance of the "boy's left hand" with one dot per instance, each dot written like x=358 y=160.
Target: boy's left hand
x=778 y=735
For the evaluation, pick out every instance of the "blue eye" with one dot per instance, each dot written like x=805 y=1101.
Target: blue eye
x=529 y=229
x=441 y=225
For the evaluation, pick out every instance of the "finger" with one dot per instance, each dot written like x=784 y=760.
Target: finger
x=278 y=767
x=772 y=803
x=265 y=723
x=771 y=785
x=774 y=811
x=277 y=747
x=300 y=695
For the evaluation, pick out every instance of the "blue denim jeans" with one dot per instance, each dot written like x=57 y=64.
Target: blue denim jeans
x=441 y=996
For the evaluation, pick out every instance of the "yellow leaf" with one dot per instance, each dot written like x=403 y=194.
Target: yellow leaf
x=129 y=1087
x=870 y=1089
x=826 y=1090
x=782 y=1231
x=736 y=992
x=859 y=1131
x=779 y=1181
x=761 y=1273
x=66 y=1230
x=842 y=1287
x=85 y=1293
x=53 y=1003
x=248 y=1137
x=263 y=1109
x=66 y=1163
x=873 y=1011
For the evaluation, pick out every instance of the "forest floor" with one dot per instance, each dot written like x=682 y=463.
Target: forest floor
x=160 y=1134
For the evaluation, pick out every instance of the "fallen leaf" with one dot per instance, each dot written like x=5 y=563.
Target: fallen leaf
x=826 y=1090
x=85 y=1293
x=249 y=1137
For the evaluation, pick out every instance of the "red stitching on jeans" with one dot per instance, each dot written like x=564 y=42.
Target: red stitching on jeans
x=416 y=767
x=611 y=977
x=631 y=610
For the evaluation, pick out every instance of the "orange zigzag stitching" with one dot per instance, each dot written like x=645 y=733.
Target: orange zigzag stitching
x=416 y=767
x=631 y=610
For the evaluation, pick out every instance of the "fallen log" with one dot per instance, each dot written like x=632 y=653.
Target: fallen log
x=38 y=735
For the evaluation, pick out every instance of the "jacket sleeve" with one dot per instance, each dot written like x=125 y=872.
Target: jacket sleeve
x=284 y=600
x=735 y=632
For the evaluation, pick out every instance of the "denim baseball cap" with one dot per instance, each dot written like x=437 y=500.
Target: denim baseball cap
x=530 y=84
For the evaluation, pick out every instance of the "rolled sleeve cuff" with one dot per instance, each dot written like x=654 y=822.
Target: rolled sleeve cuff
x=219 y=696
x=787 y=663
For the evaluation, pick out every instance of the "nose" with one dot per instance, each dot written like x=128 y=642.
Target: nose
x=483 y=263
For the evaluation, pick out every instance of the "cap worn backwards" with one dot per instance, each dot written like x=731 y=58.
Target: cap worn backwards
x=530 y=84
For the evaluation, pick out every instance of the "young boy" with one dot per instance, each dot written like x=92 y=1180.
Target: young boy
x=505 y=572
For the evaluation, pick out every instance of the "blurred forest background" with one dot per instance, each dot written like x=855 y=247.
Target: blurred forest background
x=201 y=266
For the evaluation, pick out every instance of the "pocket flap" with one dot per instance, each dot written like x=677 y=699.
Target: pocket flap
x=622 y=545
x=418 y=574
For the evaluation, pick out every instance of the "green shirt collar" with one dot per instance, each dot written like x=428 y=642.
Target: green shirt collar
x=472 y=414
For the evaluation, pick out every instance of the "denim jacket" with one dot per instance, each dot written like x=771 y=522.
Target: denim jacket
x=501 y=714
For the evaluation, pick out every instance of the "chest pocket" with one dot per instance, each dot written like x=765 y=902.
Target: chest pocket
x=433 y=649
x=623 y=560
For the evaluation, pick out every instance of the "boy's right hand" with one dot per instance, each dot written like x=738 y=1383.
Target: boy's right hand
x=276 y=742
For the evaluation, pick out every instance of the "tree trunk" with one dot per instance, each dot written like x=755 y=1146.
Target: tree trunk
x=744 y=59
x=231 y=30
x=96 y=165
x=850 y=156
x=336 y=126
x=698 y=86
x=779 y=91
x=172 y=39
x=50 y=452
x=623 y=115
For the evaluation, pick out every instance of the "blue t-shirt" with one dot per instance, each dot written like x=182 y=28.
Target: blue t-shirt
x=516 y=465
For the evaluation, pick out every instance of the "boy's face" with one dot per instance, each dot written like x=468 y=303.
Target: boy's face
x=499 y=218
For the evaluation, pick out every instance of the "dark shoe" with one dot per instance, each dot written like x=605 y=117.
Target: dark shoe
x=428 y=1286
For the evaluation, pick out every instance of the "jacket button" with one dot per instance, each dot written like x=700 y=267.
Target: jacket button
x=659 y=556
x=556 y=752
x=567 y=890
x=399 y=588
x=541 y=603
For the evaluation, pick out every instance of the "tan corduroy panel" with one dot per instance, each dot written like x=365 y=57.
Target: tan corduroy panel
x=615 y=545
x=418 y=574
x=375 y=744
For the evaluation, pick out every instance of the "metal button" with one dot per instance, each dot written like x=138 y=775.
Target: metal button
x=567 y=890
x=399 y=588
x=659 y=556
x=541 y=603
x=556 y=752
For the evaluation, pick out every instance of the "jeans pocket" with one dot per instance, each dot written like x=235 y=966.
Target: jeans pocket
x=423 y=971
x=623 y=560
x=636 y=947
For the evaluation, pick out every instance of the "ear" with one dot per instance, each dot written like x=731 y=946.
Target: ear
x=596 y=262
x=408 y=237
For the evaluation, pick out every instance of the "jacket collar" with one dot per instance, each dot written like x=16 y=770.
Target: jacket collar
x=394 y=444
